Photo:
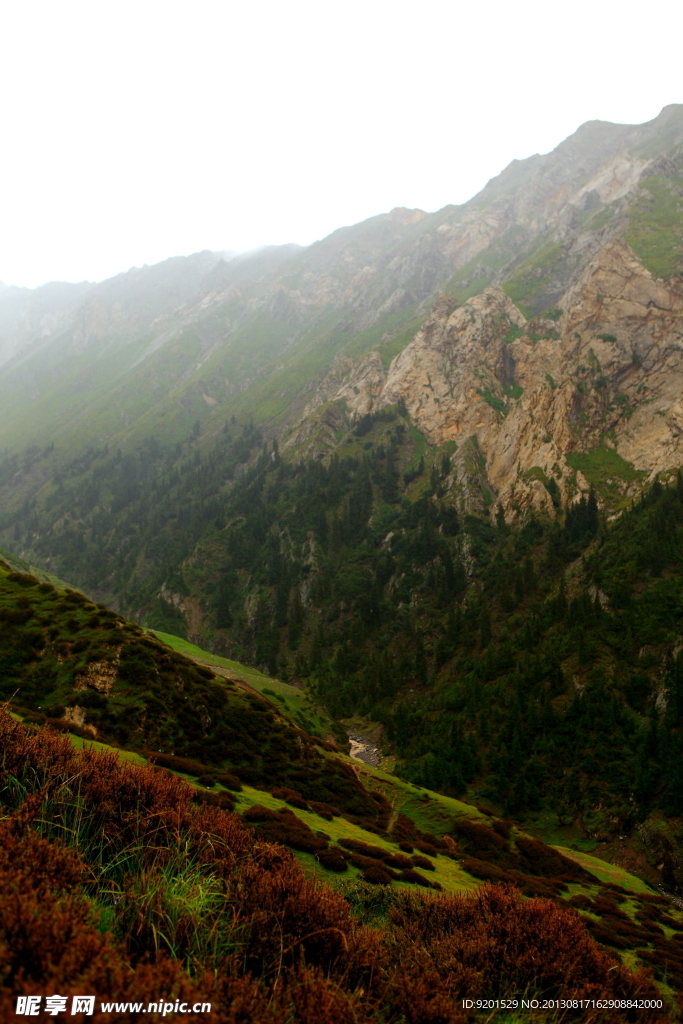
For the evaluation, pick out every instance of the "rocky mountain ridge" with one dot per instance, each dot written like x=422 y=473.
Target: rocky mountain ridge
x=608 y=370
x=260 y=329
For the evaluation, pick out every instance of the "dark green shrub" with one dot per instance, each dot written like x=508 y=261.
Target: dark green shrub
x=228 y=780
x=91 y=699
x=290 y=796
x=54 y=710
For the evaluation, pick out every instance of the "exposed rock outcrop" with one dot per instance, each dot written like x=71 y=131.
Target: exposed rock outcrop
x=608 y=373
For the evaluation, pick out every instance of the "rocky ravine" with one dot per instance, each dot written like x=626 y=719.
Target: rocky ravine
x=529 y=393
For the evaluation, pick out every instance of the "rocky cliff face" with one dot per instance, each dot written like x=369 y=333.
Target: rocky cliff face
x=533 y=392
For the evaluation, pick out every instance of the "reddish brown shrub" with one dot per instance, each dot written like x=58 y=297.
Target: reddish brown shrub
x=224 y=800
x=281 y=913
x=365 y=849
x=656 y=901
x=292 y=835
x=486 y=872
x=376 y=874
x=580 y=901
x=259 y=813
x=324 y=810
x=540 y=859
x=409 y=875
x=370 y=826
x=359 y=861
x=670 y=922
x=502 y=827
x=530 y=886
x=291 y=797
x=316 y=999
x=399 y=860
x=177 y=764
x=404 y=828
x=332 y=859
x=606 y=936
x=312 y=963
x=482 y=842
x=422 y=862
x=427 y=848
x=533 y=945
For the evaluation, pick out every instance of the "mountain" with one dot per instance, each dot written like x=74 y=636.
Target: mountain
x=200 y=337
x=426 y=467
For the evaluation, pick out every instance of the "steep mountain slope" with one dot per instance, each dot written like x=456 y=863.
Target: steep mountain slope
x=607 y=370
x=78 y=666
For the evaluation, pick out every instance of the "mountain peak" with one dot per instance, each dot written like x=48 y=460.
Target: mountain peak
x=402 y=215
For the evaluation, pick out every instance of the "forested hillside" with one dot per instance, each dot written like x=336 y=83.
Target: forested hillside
x=536 y=663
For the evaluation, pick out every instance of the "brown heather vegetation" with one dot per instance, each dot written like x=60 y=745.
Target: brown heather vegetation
x=115 y=882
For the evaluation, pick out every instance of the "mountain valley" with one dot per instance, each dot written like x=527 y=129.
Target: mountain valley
x=421 y=481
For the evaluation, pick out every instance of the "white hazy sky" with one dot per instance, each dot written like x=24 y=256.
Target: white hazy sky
x=133 y=131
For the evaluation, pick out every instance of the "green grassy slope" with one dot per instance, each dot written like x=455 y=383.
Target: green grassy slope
x=20 y=565
x=431 y=812
x=296 y=703
x=78 y=666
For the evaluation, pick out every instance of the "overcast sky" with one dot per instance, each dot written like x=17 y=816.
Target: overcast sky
x=137 y=131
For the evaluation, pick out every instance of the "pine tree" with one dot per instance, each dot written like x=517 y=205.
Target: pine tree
x=485 y=628
x=224 y=595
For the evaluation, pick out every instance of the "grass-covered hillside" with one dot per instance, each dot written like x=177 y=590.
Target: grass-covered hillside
x=296 y=702
x=117 y=881
x=77 y=666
